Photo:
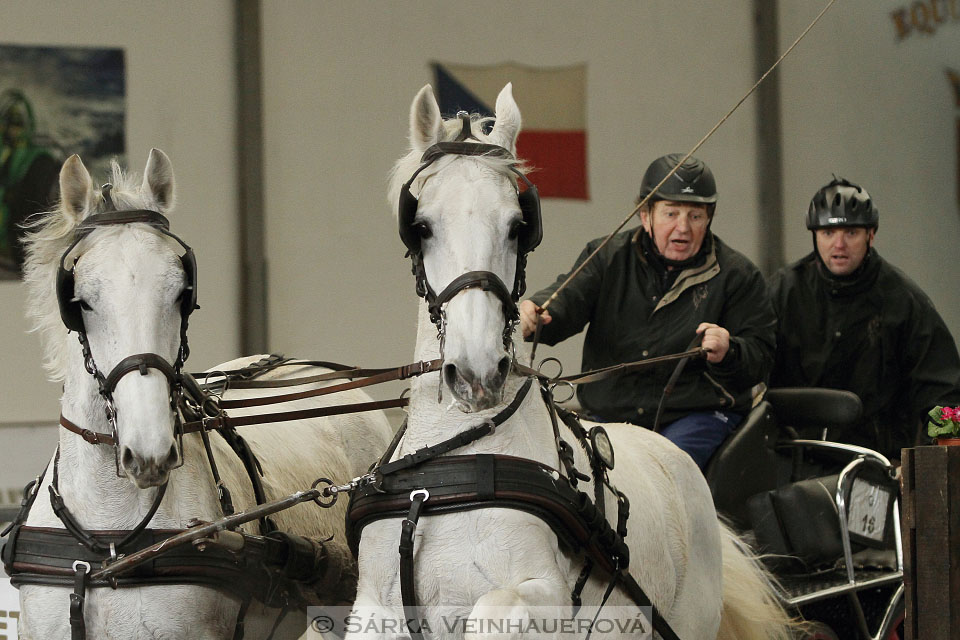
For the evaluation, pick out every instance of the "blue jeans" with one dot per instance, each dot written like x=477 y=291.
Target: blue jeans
x=700 y=434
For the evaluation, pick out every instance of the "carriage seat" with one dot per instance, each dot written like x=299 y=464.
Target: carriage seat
x=747 y=463
x=811 y=410
x=744 y=465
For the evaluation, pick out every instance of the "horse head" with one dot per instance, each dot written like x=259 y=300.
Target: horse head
x=125 y=286
x=468 y=231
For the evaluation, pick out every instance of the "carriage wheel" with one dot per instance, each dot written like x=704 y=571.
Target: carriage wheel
x=898 y=633
x=818 y=631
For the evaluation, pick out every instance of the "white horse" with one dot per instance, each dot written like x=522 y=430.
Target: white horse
x=130 y=283
x=487 y=563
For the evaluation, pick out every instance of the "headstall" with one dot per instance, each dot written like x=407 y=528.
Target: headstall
x=71 y=312
x=528 y=238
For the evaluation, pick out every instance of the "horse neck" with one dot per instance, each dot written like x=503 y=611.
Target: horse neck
x=528 y=433
x=88 y=480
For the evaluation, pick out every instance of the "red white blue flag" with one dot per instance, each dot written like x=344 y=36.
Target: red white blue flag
x=553 y=103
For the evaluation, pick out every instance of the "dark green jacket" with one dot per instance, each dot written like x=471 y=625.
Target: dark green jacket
x=877 y=335
x=619 y=295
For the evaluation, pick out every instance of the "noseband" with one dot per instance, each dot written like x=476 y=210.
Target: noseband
x=528 y=238
x=71 y=314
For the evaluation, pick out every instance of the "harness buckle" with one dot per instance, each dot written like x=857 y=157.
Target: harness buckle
x=82 y=563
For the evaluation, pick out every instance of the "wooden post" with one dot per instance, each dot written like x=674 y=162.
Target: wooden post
x=931 y=542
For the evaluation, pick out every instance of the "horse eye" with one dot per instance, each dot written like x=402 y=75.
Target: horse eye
x=515 y=228
x=423 y=230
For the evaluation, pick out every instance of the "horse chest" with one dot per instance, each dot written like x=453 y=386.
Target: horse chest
x=458 y=557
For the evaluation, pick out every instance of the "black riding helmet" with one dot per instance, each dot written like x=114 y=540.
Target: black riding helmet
x=842 y=204
x=692 y=182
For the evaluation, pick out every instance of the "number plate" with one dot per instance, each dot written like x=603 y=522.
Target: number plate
x=868 y=510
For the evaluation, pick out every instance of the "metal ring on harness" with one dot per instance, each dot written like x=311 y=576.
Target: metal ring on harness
x=567 y=384
x=324 y=491
x=216 y=392
x=210 y=406
x=551 y=359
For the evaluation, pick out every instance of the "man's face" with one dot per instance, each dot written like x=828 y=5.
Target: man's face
x=677 y=228
x=843 y=249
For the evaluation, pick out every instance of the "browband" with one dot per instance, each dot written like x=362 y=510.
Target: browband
x=93 y=222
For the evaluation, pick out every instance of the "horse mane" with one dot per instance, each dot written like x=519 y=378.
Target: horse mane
x=48 y=234
x=409 y=163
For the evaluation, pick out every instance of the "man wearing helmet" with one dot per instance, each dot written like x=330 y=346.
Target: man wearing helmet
x=649 y=292
x=847 y=319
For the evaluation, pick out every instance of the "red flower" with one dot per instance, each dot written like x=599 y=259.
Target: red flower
x=948 y=413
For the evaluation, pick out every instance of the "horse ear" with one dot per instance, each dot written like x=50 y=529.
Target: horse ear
x=76 y=188
x=507 y=127
x=158 y=179
x=426 y=123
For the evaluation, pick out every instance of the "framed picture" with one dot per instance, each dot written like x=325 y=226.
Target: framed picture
x=54 y=102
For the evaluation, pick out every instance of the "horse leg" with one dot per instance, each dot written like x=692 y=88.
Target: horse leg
x=506 y=614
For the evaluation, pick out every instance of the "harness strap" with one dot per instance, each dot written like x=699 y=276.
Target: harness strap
x=78 y=628
x=239 y=628
x=93 y=437
x=284 y=416
x=30 y=492
x=219 y=422
x=408 y=591
x=603 y=601
x=398 y=373
x=581 y=583
x=84 y=537
x=461 y=439
x=284 y=610
x=614 y=370
x=636 y=593
x=223 y=493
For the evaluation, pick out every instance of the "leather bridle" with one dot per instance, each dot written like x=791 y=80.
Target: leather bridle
x=528 y=238
x=71 y=314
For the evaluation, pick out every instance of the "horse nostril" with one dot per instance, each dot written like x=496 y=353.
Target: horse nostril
x=503 y=368
x=127 y=458
x=172 y=458
x=450 y=374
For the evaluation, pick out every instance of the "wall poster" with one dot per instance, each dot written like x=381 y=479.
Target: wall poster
x=54 y=102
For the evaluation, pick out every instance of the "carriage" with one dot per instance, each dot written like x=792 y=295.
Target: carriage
x=501 y=506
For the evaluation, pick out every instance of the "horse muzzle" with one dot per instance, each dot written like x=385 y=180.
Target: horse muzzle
x=475 y=393
x=148 y=471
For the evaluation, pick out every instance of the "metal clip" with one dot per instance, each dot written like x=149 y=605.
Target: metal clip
x=419 y=492
x=81 y=563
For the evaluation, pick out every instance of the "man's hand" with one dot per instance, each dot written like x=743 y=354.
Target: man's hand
x=528 y=317
x=716 y=340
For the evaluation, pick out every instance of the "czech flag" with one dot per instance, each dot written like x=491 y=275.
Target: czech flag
x=552 y=102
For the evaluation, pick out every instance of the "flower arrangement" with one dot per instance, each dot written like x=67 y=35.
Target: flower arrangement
x=944 y=422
